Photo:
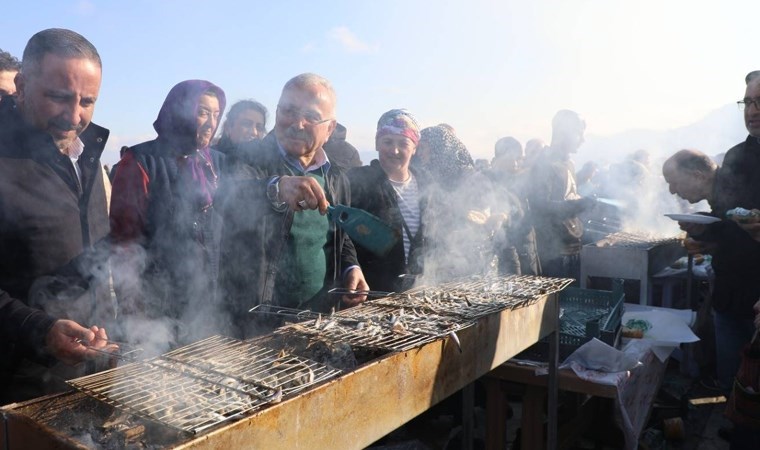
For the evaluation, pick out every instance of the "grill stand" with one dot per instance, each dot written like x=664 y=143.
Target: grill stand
x=628 y=262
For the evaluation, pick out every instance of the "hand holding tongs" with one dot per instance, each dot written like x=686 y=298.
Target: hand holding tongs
x=343 y=291
x=115 y=346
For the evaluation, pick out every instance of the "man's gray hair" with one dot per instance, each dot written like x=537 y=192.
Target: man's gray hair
x=311 y=79
x=60 y=42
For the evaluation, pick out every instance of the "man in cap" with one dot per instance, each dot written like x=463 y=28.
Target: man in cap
x=52 y=211
x=281 y=248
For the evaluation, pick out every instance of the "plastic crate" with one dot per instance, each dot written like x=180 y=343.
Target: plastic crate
x=584 y=314
x=590 y=313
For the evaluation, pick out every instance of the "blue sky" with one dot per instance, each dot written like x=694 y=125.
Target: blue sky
x=489 y=68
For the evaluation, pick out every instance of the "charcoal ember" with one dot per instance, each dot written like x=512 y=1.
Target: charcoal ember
x=334 y=354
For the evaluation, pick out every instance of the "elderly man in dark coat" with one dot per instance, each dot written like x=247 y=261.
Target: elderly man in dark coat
x=278 y=246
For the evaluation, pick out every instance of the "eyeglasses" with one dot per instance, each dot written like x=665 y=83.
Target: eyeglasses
x=311 y=118
x=747 y=102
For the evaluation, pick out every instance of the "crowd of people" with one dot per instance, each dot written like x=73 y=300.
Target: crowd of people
x=187 y=233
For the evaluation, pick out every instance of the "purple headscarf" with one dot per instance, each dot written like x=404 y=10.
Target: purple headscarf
x=176 y=121
x=177 y=126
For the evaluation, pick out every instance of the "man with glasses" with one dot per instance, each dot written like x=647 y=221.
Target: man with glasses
x=280 y=248
x=742 y=162
x=735 y=286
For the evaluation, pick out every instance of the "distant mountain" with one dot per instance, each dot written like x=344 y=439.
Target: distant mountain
x=714 y=134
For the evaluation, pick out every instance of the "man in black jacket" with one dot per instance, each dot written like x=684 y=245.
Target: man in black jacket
x=52 y=209
x=555 y=201
x=278 y=247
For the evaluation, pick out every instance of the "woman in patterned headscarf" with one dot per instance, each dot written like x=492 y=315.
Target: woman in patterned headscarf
x=163 y=218
x=394 y=192
x=461 y=223
x=443 y=155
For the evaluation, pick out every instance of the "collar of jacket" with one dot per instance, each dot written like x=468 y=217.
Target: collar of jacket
x=32 y=142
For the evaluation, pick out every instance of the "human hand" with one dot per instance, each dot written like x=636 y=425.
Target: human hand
x=354 y=280
x=477 y=216
x=301 y=193
x=496 y=221
x=694 y=246
x=692 y=229
x=72 y=343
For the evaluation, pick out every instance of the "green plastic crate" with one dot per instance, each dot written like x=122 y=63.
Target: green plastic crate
x=590 y=313
x=585 y=314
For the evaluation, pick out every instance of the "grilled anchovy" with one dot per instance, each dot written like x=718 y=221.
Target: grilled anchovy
x=455 y=338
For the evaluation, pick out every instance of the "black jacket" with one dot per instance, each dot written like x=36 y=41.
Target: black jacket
x=372 y=192
x=739 y=180
x=254 y=234
x=49 y=225
x=179 y=237
x=516 y=241
x=555 y=207
x=736 y=261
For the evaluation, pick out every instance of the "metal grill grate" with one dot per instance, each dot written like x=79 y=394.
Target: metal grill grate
x=374 y=326
x=204 y=384
x=634 y=239
x=473 y=299
x=403 y=321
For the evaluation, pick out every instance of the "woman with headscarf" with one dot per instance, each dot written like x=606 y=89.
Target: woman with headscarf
x=443 y=156
x=461 y=214
x=392 y=191
x=163 y=220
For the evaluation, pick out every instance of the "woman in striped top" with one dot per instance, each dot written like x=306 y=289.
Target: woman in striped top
x=392 y=191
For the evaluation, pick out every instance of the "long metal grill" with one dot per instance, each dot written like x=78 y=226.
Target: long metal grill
x=635 y=239
x=204 y=384
x=403 y=321
x=472 y=299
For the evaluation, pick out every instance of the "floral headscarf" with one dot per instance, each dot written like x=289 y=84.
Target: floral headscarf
x=398 y=121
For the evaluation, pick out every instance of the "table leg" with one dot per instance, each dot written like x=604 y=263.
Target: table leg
x=532 y=424
x=553 y=384
x=468 y=419
x=497 y=408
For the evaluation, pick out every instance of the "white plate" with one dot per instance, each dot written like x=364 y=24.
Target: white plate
x=693 y=218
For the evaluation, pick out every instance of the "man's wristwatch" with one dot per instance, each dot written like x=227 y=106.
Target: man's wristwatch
x=273 y=193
